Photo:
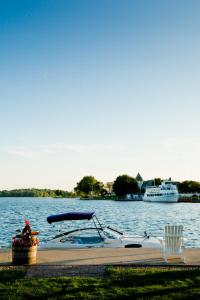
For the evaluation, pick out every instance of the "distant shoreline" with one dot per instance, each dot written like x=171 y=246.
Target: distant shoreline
x=181 y=200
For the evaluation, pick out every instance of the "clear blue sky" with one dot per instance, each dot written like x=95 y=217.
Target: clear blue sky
x=99 y=88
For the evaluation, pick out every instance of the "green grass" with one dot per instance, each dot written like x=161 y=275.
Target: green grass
x=148 y=283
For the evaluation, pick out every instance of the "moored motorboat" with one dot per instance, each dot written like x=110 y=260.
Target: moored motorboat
x=96 y=235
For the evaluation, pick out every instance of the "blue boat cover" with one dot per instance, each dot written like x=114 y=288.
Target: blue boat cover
x=70 y=216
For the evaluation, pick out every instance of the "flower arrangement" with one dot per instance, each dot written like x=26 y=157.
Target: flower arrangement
x=26 y=237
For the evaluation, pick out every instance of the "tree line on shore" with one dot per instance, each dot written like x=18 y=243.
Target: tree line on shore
x=36 y=193
x=125 y=184
x=89 y=186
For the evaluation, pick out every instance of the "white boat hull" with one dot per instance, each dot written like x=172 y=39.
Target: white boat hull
x=125 y=241
x=120 y=241
x=164 y=198
x=129 y=242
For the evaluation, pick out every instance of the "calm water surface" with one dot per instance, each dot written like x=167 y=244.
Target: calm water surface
x=129 y=217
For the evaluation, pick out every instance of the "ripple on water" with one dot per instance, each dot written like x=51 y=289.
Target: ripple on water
x=130 y=217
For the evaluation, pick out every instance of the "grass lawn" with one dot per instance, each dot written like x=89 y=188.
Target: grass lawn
x=148 y=283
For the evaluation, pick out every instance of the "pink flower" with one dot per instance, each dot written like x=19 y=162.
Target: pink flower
x=27 y=222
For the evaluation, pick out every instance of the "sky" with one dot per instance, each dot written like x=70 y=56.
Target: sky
x=101 y=88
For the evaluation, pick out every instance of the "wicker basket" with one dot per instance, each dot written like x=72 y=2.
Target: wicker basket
x=24 y=255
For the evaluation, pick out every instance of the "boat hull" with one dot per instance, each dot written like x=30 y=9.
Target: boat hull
x=123 y=242
x=162 y=199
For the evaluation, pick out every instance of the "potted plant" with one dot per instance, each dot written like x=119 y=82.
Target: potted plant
x=24 y=246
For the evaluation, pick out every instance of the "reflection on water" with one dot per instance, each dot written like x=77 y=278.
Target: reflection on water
x=129 y=217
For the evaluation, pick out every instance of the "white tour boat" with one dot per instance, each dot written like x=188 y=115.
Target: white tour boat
x=166 y=192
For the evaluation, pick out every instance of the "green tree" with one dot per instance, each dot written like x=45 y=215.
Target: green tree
x=109 y=187
x=157 y=181
x=189 y=186
x=34 y=193
x=89 y=185
x=60 y=193
x=125 y=184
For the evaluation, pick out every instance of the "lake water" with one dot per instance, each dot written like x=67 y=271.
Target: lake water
x=129 y=217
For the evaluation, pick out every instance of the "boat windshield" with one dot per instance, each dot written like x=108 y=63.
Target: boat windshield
x=111 y=233
x=86 y=236
x=89 y=235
